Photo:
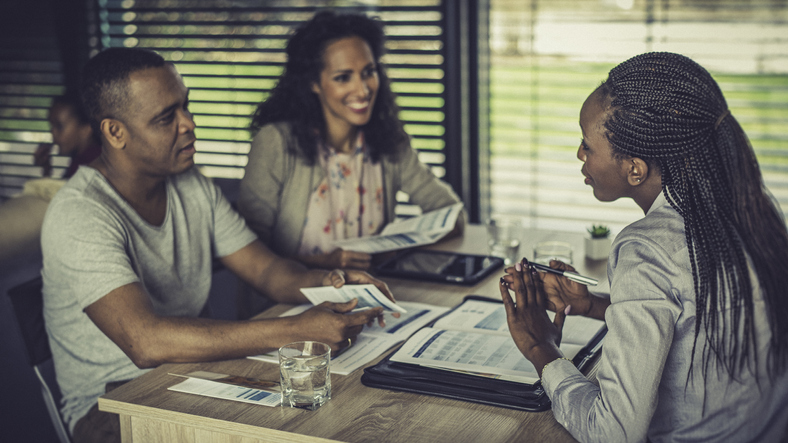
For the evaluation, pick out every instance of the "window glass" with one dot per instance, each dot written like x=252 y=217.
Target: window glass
x=547 y=57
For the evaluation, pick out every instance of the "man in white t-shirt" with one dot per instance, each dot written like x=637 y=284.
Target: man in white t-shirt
x=128 y=245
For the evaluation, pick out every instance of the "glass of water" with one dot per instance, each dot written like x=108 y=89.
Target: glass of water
x=553 y=250
x=304 y=371
x=503 y=238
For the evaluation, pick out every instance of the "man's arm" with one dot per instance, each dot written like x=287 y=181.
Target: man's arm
x=278 y=278
x=127 y=317
x=281 y=279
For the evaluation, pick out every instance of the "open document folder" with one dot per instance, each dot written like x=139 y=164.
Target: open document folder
x=417 y=231
x=469 y=355
x=475 y=338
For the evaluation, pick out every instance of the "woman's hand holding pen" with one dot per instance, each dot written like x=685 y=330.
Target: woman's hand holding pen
x=562 y=292
x=534 y=334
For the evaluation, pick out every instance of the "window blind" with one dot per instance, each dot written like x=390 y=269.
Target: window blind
x=230 y=55
x=30 y=75
x=547 y=57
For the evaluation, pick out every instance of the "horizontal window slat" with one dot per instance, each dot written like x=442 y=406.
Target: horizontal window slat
x=230 y=58
x=541 y=74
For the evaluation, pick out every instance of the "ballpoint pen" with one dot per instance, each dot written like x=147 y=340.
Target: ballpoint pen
x=588 y=281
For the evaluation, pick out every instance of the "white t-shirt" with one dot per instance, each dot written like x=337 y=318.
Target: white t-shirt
x=93 y=242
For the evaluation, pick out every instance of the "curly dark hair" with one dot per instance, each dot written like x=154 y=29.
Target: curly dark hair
x=667 y=109
x=292 y=99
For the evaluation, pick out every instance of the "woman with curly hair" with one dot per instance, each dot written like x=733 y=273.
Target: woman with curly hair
x=697 y=342
x=330 y=152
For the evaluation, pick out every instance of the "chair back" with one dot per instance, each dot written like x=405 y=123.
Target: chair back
x=27 y=300
x=28 y=303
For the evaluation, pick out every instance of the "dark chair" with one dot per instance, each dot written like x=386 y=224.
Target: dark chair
x=28 y=302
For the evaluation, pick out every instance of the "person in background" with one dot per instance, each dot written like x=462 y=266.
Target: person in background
x=330 y=153
x=697 y=341
x=129 y=244
x=21 y=216
x=71 y=132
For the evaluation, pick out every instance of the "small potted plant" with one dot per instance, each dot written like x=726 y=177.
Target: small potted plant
x=598 y=243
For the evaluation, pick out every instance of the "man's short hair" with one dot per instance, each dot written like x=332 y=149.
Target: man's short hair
x=105 y=81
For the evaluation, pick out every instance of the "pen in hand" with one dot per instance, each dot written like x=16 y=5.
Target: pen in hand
x=588 y=281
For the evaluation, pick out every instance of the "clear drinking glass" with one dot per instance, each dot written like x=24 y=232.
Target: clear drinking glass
x=503 y=238
x=553 y=250
x=304 y=370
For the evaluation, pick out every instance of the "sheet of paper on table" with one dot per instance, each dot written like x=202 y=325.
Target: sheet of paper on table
x=227 y=391
x=369 y=296
x=416 y=231
x=373 y=341
x=475 y=339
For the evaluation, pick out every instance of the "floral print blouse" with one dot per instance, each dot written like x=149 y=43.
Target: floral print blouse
x=347 y=204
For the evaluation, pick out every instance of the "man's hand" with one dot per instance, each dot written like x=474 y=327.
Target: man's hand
x=333 y=324
x=339 y=258
x=339 y=277
x=534 y=334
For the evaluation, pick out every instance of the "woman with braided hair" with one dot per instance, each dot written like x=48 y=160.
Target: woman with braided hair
x=697 y=343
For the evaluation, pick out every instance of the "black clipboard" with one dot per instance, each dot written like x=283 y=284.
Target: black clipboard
x=417 y=379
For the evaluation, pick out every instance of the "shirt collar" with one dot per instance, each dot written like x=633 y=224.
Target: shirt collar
x=659 y=202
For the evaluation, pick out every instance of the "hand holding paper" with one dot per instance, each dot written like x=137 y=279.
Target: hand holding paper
x=417 y=231
x=369 y=296
x=372 y=341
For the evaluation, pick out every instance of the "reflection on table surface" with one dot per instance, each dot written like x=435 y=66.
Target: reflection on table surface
x=151 y=413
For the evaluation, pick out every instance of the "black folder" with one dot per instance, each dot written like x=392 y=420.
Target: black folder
x=461 y=386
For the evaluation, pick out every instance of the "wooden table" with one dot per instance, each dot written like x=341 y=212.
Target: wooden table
x=150 y=413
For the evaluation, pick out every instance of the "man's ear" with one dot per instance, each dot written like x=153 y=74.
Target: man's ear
x=115 y=132
x=638 y=171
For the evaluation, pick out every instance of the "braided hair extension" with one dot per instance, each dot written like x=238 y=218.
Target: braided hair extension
x=668 y=110
x=292 y=99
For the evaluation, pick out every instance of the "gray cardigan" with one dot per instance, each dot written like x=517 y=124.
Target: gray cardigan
x=274 y=193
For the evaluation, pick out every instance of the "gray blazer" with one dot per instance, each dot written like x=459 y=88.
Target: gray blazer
x=274 y=193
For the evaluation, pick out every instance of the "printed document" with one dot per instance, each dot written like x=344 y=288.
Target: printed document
x=369 y=296
x=199 y=384
x=475 y=338
x=373 y=340
x=417 y=231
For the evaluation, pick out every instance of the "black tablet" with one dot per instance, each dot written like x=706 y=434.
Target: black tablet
x=466 y=269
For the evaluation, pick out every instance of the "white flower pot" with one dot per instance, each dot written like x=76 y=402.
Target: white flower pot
x=598 y=248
